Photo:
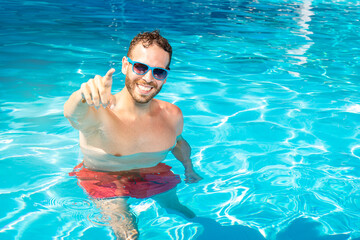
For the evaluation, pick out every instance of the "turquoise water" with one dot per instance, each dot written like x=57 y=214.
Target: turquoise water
x=270 y=95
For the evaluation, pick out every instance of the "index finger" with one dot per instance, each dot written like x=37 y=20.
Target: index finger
x=109 y=74
x=107 y=79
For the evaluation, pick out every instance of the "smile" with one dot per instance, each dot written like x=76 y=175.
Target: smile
x=144 y=88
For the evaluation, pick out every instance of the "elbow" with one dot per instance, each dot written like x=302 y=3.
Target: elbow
x=67 y=115
x=66 y=111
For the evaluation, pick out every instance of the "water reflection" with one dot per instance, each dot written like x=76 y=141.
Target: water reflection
x=302 y=21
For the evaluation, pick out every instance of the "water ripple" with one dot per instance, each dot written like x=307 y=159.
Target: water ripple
x=101 y=219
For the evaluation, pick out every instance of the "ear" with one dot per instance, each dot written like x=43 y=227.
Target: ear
x=124 y=66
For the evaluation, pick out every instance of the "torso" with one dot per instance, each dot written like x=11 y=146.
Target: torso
x=122 y=142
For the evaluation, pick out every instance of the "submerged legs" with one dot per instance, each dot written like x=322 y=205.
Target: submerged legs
x=170 y=201
x=122 y=221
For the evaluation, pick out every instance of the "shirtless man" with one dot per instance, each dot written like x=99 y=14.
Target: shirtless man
x=123 y=133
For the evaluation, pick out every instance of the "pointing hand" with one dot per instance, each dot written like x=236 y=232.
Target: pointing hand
x=97 y=91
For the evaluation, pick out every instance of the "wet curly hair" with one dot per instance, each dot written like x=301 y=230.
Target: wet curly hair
x=149 y=38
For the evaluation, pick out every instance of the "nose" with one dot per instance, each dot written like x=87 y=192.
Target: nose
x=148 y=77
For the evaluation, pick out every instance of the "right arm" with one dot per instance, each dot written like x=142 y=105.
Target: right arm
x=81 y=108
x=80 y=115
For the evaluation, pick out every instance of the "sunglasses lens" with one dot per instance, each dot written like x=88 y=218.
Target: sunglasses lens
x=140 y=68
x=159 y=73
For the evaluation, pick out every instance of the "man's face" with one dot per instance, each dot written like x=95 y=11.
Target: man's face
x=143 y=88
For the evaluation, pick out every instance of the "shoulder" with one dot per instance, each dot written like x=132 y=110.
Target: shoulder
x=169 y=109
x=173 y=114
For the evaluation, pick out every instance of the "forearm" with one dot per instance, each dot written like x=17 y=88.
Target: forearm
x=74 y=108
x=81 y=116
x=182 y=152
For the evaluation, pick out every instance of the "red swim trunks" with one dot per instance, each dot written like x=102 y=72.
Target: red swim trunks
x=139 y=183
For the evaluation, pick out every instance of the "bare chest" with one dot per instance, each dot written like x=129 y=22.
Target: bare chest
x=121 y=136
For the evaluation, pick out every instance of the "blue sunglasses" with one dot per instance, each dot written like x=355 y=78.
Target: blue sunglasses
x=142 y=68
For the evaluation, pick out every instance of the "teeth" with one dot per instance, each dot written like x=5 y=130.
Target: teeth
x=144 y=88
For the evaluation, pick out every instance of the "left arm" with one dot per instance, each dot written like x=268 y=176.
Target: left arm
x=182 y=152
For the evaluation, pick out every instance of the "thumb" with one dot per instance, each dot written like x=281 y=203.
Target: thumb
x=108 y=78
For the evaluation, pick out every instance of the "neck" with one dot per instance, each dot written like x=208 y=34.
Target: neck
x=126 y=102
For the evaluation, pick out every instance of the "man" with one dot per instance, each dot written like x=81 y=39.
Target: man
x=124 y=137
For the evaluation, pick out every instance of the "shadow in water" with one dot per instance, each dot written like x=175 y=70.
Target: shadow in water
x=213 y=230
x=304 y=228
x=299 y=229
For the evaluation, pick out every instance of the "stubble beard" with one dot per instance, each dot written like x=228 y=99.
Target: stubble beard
x=131 y=85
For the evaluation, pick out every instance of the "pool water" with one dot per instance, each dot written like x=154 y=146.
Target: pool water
x=271 y=100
